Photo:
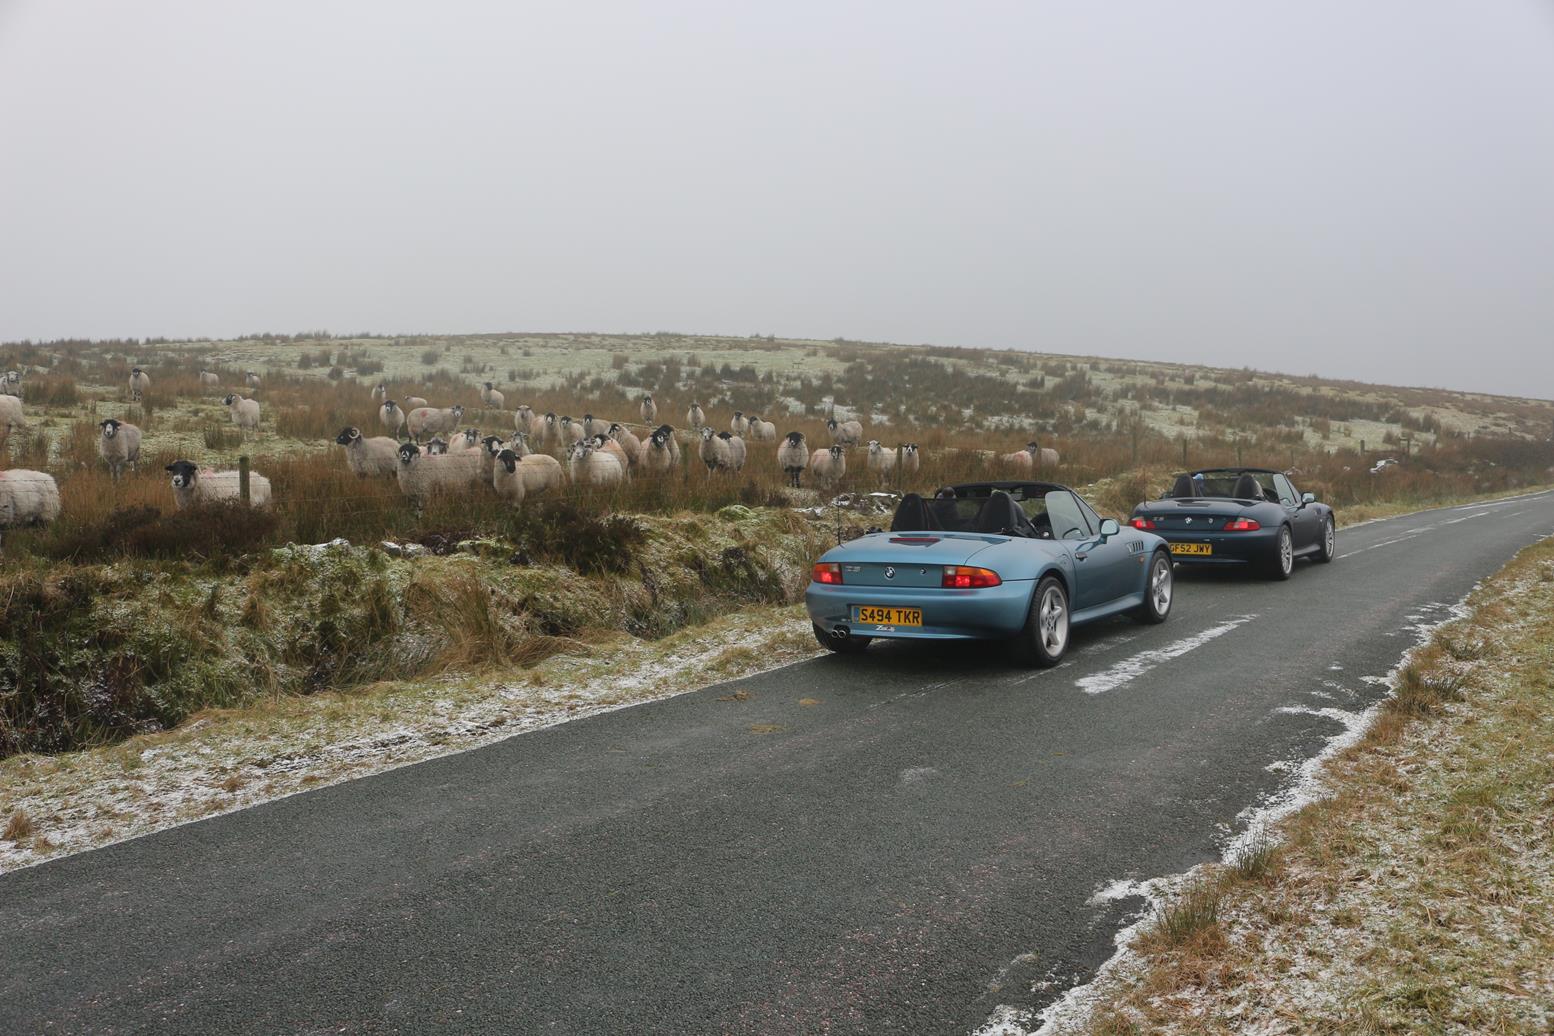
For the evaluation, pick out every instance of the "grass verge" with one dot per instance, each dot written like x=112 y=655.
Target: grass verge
x=1419 y=896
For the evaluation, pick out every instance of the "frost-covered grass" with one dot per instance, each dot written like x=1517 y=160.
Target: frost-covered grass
x=228 y=759
x=1418 y=895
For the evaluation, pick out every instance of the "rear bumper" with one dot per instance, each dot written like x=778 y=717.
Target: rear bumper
x=1230 y=548
x=996 y=612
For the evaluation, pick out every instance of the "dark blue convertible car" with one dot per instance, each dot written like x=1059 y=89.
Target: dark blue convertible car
x=1240 y=516
x=1017 y=561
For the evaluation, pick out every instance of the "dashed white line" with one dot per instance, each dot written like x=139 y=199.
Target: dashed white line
x=1130 y=669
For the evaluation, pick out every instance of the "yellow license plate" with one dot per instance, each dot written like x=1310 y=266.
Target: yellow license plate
x=887 y=616
x=1192 y=548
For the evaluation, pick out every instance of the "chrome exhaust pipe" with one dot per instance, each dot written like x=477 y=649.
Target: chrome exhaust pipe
x=840 y=632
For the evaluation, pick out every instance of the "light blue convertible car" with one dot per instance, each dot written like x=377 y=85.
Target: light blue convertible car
x=1016 y=561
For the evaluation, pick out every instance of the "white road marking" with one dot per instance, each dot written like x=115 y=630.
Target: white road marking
x=1130 y=669
x=1464 y=518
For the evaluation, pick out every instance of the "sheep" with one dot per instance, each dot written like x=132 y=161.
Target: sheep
x=713 y=451
x=648 y=409
x=909 y=460
x=139 y=381
x=541 y=473
x=421 y=474
x=660 y=452
x=11 y=383
x=525 y=421
x=571 y=431
x=412 y=402
x=377 y=457
x=436 y=447
x=426 y=421
x=118 y=444
x=210 y=378
x=245 y=412
x=379 y=392
x=391 y=416
x=550 y=431
x=829 y=465
x=468 y=439
x=793 y=457
x=519 y=444
x=491 y=397
x=605 y=444
x=490 y=447
x=761 y=431
x=593 y=427
x=695 y=418
x=736 y=450
x=593 y=467
x=737 y=424
x=251 y=379
x=1032 y=458
x=27 y=498
x=845 y=433
x=11 y=413
x=193 y=485
x=629 y=442
x=881 y=461
x=507 y=476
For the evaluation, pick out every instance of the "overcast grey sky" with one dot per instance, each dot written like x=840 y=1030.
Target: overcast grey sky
x=1358 y=188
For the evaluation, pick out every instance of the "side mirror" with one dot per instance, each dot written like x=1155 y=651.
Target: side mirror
x=1307 y=498
x=1109 y=527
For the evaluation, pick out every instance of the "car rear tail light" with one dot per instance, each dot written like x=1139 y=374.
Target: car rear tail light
x=1241 y=525
x=959 y=577
x=1141 y=523
x=827 y=572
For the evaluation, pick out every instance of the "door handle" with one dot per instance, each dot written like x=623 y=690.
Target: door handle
x=1080 y=557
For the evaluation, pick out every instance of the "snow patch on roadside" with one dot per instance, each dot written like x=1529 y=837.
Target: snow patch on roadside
x=1306 y=785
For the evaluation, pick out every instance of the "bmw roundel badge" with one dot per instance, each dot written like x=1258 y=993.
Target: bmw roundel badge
x=890 y=573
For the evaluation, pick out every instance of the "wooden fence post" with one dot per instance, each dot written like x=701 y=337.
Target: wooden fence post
x=1184 y=451
x=900 y=475
x=242 y=479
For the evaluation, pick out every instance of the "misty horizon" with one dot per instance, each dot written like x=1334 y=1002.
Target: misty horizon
x=1363 y=194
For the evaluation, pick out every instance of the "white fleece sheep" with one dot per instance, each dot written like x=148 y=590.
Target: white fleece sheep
x=423 y=474
x=648 y=409
x=118 y=444
x=11 y=413
x=377 y=457
x=391 y=416
x=245 y=412
x=605 y=444
x=629 y=443
x=507 y=477
x=714 y=451
x=193 y=485
x=595 y=426
x=427 y=421
x=209 y=378
x=793 y=457
x=695 y=417
x=660 y=452
x=910 y=459
x=27 y=498
x=468 y=439
x=490 y=397
x=845 y=433
x=549 y=433
x=761 y=431
x=11 y=383
x=409 y=403
x=252 y=379
x=829 y=465
x=590 y=466
x=736 y=450
x=139 y=382
x=1032 y=458
x=525 y=420
x=541 y=472
x=881 y=461
x=571 y=431
x=737 y=425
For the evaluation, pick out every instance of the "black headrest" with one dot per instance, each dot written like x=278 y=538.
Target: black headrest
x=999 y=515
x=1247 y=489
x=912 y=515
x=1185 y=487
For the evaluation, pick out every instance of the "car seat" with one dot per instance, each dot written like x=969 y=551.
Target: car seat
x=1246 y=488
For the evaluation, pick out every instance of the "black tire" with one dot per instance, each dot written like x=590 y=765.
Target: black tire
x=1038 y=647
x=1327 y=546
x=840 y=645
x=1157 y=606
x=1281 y=563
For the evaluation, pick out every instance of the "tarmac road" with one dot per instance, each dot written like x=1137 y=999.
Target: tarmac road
x=909 y=851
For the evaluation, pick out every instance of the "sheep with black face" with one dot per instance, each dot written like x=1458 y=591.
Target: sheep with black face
x=193 y=485
x=377 y=457
x=118 y=444
x=793 y=457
